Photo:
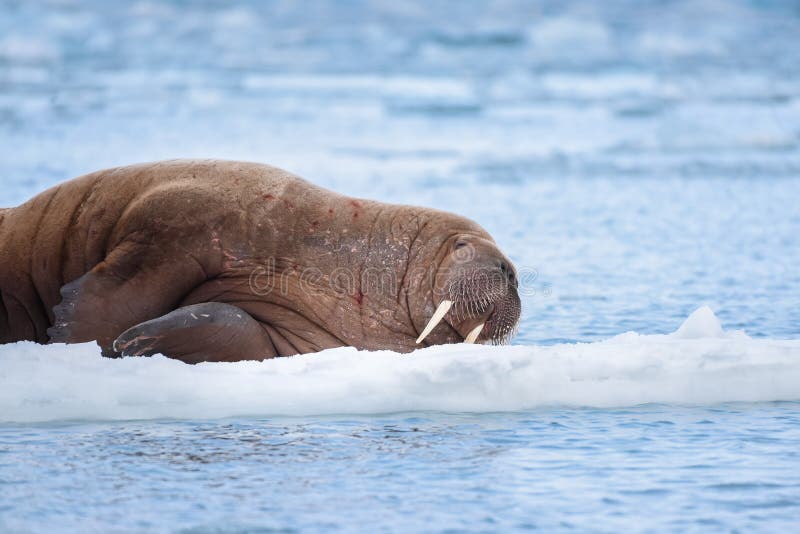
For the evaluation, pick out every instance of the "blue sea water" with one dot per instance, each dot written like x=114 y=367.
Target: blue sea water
x=651 y=468
x=637 y=160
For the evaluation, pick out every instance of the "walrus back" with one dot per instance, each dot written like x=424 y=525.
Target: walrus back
x=64 y=232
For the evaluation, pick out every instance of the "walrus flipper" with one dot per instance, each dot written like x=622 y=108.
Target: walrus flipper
x=207 y=332
x=133 y=284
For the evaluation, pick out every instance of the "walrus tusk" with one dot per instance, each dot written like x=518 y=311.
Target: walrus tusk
x=473 y=335
x=440 y=312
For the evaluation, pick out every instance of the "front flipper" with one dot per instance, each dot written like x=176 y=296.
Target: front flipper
x=208 y=332
x=133 y=284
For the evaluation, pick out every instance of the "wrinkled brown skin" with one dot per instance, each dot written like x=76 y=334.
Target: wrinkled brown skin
x=163 y=256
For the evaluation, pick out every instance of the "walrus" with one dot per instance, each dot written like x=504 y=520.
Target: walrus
x=205 y=260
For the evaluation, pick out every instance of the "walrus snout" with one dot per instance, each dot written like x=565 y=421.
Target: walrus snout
x=486 y=304
x=477 y=290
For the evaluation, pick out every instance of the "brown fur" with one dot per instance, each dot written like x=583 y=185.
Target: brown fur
x=96 y=256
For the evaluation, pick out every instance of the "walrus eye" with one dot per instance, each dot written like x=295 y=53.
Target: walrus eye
x=460 y=244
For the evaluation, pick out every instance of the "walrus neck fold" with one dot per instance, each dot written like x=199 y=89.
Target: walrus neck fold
x=426 y=253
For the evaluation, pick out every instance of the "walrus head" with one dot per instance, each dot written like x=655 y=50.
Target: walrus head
x=475 y=291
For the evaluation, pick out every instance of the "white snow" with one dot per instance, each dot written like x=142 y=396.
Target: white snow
x=698 y=364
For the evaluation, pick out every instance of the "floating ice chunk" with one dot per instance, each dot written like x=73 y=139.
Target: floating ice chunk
x=702 y=323
x=698 y=364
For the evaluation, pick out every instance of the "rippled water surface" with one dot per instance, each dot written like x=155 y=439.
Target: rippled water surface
x=635 y=159
x=646 y=468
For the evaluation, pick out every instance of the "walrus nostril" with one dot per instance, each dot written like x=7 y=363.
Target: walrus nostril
x=506 y=269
